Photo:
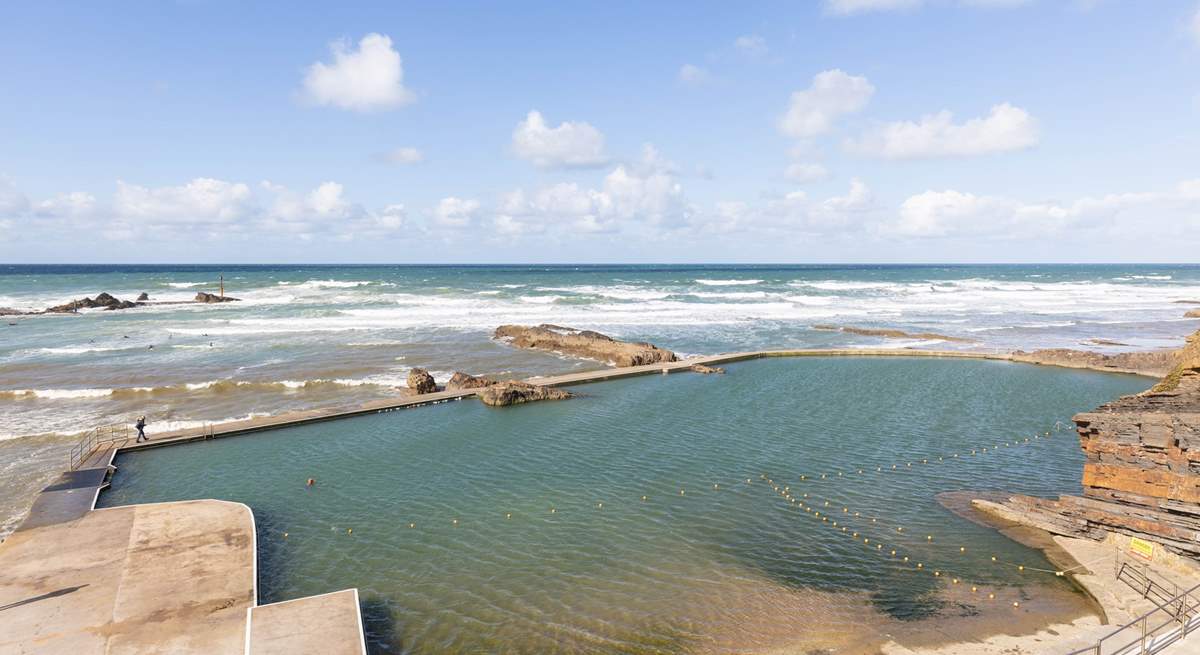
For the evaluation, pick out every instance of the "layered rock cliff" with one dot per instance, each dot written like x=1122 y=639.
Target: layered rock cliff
x=583 y=343
x=1141 y=476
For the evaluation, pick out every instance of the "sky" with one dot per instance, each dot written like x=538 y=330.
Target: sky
x=215 y=131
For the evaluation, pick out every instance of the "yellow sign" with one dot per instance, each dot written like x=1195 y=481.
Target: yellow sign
x=1141 y=547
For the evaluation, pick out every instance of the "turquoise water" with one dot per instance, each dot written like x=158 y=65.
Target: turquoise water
x=530 y=533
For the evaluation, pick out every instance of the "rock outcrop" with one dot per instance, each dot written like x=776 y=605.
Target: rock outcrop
x=890 y=333
x=1154 y=363
x=1141 y=475
x=461 y=381
x=205 y=297
x=512 y=392
x=1192 y=313
x=707 y=370
x=9 y=311
x=583 y=343
x=421 y=382
x=102 y=301
x=143 y=297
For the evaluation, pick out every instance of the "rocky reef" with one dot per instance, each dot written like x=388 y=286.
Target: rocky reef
x=421 y=382
x=461 y=381
x=1154 y=363
x=204 y=297
x=512 y=392
x=1141 y=475
x=101 y=301
x=890 y=333
x=583 y=343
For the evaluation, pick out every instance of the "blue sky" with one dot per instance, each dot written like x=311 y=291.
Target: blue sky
x=838 y=130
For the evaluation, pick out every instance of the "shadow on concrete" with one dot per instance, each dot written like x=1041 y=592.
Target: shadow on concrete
x=53 y=594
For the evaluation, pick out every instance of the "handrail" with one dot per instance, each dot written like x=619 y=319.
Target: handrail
x=1182 y=609
x=92 y=440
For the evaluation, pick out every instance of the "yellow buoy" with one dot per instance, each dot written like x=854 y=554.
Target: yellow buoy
x=508 y=515
x=349 y=530
x=412 y=525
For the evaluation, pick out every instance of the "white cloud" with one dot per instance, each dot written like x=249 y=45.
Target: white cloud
x=751 y=44
x=833 y=94
x=1168 y=215
x=805 y=173
x=570 y=145
x=1006 y=128
x=392 y=217
x=455 y=212
x=202 y=200
x=404 y=155
x=370 y=78
x=12 y=201
x=76 y=204
x=690 y=74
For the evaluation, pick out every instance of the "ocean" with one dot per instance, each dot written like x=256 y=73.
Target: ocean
x=305 y=336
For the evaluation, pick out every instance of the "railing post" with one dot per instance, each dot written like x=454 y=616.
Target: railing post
x=1143 y=643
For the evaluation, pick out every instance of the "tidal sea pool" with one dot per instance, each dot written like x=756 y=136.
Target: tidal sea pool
x=665 y=514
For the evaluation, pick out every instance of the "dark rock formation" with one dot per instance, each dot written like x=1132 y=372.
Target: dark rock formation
x=212 y=297
x=143 y=296
x=701 y=368
x=583 y=343
x=460 y=381
x=102 y=301
x=421 y=382
x=890 y=333
x=9 y=311
x=1153 y=362
x=1141 y=476
x=512 y=392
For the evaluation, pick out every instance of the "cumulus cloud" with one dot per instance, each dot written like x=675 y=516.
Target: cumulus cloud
x=570 y=145
x=405 y=155
x=75 y=204
x=1006 y=128
x=691 y=74
x=951 y=213
x=369 y=78
x=751 y=44
x=455 y=212
x=805 y=173
x=202 y=200
x=833 y=93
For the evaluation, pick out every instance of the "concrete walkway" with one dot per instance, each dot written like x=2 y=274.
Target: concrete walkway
x=328 y=624
x=160 y=578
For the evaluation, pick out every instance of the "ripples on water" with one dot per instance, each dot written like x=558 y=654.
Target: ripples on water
x=724 y=570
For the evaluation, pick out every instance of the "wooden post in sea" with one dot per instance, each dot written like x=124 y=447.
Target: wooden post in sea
x=222 y=285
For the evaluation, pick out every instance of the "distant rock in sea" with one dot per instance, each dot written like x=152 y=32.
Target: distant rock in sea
x=512 y=392
x=890 y=333
x=583 y=343
x=421 y=382
x=143 y=296
x=212 y=297
x=103 y=301
x=1192 y=313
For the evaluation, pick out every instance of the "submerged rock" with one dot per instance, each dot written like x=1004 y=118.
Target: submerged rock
x=421 y=382
x=212 y=297
x=460 y=381
x=143 y=296
x=583 y=343
x=890 y=333
x=707 y=370
x=513 y=392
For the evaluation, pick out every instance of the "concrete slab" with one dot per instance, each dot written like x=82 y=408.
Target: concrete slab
x=328 y=624
x=160 y=578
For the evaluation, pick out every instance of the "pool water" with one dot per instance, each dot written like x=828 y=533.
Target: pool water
x=638 y=517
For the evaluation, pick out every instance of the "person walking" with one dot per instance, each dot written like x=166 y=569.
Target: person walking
x=141 y=428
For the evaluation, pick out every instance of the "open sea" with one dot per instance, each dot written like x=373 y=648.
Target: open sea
x=305 y=336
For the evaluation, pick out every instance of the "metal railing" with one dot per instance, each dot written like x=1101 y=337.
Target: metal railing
x=1171 y=620
x=92 y=441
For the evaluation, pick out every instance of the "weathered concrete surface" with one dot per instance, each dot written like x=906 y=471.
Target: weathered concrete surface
x=327 y=624
x=161 y=578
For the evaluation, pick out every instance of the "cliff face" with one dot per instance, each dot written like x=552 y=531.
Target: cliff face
x=1142 y=473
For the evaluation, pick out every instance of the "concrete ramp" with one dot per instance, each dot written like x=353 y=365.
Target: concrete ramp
x=328 y=624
